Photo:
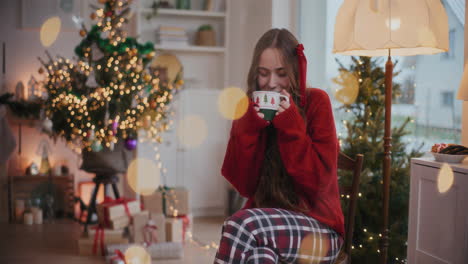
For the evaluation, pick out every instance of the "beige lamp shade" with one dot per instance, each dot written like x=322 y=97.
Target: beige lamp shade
x=463 y=90
x=407 y=27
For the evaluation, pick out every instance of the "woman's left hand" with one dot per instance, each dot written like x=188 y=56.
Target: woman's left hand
x=284 y=104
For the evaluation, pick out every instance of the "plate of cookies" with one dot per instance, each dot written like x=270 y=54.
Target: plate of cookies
x=450 y=153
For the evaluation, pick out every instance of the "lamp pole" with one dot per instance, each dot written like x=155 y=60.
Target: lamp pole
x=387 y=157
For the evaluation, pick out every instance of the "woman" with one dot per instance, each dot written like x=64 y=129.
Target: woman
x=286 y=168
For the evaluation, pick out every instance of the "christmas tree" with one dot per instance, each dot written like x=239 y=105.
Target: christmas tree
x=364 y=125
x=109 y=93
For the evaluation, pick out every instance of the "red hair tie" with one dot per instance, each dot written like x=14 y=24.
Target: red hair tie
x=302 y=67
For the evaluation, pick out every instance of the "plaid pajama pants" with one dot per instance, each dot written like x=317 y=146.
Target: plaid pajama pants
x=270 y=235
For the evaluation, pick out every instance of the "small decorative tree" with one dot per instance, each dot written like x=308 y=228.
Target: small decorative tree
x=365 y=130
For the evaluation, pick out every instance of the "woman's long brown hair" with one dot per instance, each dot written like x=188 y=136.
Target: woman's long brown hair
x=276 y=188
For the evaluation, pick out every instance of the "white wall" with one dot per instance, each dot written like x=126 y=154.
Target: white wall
x=285 y=15
x=248 y=21
x=313 y=23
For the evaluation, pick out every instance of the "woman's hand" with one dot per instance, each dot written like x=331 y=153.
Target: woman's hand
x=261 y=115
x=283 y=104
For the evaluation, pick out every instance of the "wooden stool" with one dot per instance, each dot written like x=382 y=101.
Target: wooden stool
x=103 y=179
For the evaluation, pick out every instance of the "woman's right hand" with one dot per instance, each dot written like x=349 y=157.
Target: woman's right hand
x=261 y=115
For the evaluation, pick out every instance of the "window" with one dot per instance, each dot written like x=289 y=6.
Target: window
x=428 y=83
x=447 y=99
x=451 y=53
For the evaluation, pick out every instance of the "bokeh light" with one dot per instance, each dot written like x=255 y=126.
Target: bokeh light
x=192 y=131
x=233 y=103
x=445 y=178
x=137 y=255
x=393 y=23
x=346 y=87
x=314 y=247
x=50 y=30
x=143 y=176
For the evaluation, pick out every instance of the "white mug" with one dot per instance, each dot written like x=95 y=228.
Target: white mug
x=268 y=102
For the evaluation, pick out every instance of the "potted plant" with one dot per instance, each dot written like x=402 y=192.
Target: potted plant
x=205 y=36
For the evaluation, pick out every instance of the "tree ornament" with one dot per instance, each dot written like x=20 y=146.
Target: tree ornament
x=150 y=55
x=91 y=134
x=139 y=68
x=115 y=126
x=147 y=122
x=91 y=81
x=47 y=125
x=96 y=146
x=82 y=33
x=93 y=16
x=130 y=143
x=41 y=70
x=111 y=146
x=102 y=1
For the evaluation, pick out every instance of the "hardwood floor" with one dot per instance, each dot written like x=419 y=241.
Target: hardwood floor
x=56 y=243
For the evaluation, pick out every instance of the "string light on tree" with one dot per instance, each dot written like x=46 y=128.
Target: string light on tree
x=108 y=88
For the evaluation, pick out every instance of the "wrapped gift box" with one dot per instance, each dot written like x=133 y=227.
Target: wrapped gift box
x=174 y=229
x=119 y=223
x=139 y=221
x=113 y=210
x=188 y=228
x=111 y=236
x=160 y=222
x=169 y=201
x=176 y=201
x=164 y=250
x=142 y=224
x=154 y=202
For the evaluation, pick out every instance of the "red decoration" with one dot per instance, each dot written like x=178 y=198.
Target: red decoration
x=302 y=65
x=108 y=13
x=185 y=224
x=258 y=100
x=109 y=202
x=149 y=233
x=119 y=256
x=99 y=238
x=272 y=101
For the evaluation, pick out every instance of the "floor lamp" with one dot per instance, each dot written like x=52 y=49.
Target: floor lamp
x=385 y=28
x=463 y=95
x=463 y=89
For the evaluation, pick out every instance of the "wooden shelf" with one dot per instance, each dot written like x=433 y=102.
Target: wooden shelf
x=187 y=13
x=190 y=48
x=14 y=120
x=41 y=178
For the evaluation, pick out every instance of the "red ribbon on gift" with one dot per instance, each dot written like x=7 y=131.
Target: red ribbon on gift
x=109 y=202
x=98 y=238
x=119 y=256
x=185 y=224
x=149 y=233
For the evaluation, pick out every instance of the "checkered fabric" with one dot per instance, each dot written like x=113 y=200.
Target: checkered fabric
x=270 y=235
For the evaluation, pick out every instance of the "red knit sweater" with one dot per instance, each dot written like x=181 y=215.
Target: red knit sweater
x=309 y=153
